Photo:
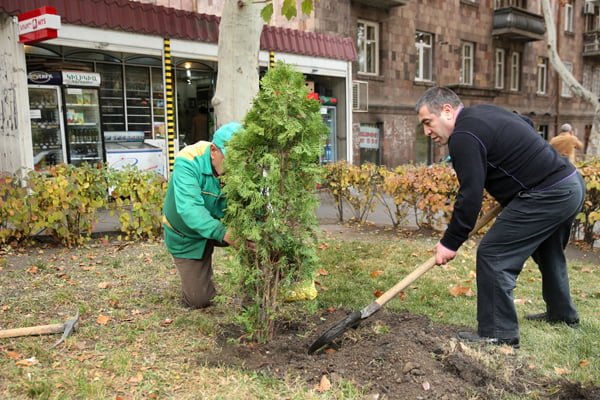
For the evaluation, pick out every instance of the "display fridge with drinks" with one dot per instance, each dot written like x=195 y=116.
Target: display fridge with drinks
x=65 y=118
x=85 y=142
x=47 y=128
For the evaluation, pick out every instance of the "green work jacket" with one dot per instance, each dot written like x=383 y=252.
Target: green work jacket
x=194 y=204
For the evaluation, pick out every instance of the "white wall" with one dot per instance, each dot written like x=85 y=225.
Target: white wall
x=16 y=150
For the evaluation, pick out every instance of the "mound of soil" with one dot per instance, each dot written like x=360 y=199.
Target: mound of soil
x=391 y=356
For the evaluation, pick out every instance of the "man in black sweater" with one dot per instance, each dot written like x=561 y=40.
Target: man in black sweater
x=540 y=191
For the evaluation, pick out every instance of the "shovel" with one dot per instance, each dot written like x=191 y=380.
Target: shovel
x=354 y=318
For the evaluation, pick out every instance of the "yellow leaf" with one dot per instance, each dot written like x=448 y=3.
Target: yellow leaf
x=562 y=371
x=12 y=355
x=324 y=385
x=584 y=363
x=103 y=319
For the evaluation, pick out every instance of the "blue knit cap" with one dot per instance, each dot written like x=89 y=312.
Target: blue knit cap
x=224 y=133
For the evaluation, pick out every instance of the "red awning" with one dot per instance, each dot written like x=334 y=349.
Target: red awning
x=133 y=16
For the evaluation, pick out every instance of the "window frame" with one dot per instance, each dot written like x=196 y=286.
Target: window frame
x=515 y=71
x=424 y=57
x=500 y=68
x=369 y=47
x=569 y=17
x=467 y=61
x=542 y=76
x=565 y=91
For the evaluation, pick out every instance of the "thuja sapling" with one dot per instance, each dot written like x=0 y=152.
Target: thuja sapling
x=272 y=171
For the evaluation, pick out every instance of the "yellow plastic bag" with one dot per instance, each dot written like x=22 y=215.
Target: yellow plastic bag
x=302 y=291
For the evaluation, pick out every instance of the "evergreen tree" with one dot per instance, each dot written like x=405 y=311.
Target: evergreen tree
x=272 y=171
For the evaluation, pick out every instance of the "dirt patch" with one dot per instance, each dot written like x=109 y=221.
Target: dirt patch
x=391 y=356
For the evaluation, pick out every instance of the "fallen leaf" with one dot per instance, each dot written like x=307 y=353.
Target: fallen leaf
x=33 y=270
x=459 y=290
x=324 y=385
x=103 y=319
x=375 y=274
x=584 y=363
x=104 y=285
x=521 y=300
x=28 y=362
x=166 y=322
x=426 y=385
x=323 y=246
x=378 y=293
x=137 y=378
x=507 y=350
x=562 y=371
x=323 y=272
x=12 y=355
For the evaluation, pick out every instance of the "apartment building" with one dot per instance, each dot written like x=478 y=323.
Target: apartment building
x=488 y=51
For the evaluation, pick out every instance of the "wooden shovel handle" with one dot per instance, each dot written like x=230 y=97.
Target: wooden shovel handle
x=427 y=265
x=32 y=330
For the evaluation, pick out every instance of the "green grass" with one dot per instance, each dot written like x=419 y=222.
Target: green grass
x=149 y=346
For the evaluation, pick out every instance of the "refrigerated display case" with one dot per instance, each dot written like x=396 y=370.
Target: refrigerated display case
x=127 y=148
x=330 y=151
x=47 y=131
x=85 y=140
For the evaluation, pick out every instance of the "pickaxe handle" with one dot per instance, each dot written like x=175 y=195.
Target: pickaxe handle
x=33 y=330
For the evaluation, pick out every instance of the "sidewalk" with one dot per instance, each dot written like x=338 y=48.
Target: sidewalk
x=327 y=214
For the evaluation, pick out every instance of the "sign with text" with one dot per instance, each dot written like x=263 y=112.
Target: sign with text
x=37 y=25
x=368 y=137
x=80 y=78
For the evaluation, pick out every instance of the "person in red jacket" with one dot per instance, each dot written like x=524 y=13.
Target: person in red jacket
x=540 y=192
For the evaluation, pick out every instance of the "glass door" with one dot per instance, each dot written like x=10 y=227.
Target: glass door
x=137 y=85
x=83 y=126
x=46 y=126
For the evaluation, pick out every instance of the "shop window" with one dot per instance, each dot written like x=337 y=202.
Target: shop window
x=111 y=97
x=369 y=142
x=94 y=56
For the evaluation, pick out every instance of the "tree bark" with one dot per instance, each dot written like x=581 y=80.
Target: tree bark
x=593 y=147
x=238 y=75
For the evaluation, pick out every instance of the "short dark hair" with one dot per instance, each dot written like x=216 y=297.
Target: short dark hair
x=435 y=98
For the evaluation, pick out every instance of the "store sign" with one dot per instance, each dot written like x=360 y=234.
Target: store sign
x=80 y=78
x=38 y=25
x=44 y=78
x=368 y=137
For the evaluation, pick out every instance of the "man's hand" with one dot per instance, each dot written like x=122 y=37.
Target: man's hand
x=443 y=255
x=250 y=245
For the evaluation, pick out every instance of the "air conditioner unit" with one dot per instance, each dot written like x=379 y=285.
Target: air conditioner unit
x=360 y=96
x=589 y=8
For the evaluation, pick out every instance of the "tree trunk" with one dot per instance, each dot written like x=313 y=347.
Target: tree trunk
x=238 y=75
x=593 y=147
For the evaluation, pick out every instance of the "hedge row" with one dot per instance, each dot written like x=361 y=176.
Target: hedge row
x=427 y=194
x=64 y=203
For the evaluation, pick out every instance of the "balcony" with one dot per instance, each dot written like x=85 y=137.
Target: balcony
x=384 y=4
x=516 y=24
x=591 y=44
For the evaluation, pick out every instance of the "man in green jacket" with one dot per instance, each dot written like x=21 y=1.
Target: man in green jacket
x=192 y=211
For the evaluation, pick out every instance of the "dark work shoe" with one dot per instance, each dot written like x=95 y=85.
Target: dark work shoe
x=475 y=338
x=544 y=317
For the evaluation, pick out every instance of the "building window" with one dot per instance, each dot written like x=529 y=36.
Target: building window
x=367 y=43
x=565 y=91
x=424 y=45
x=515 y=70
x=596 y=82
x=510 y=3
x=468 y=50
x=542 y=75
x=568 y=17
x=499 y=83
x=587 y=77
